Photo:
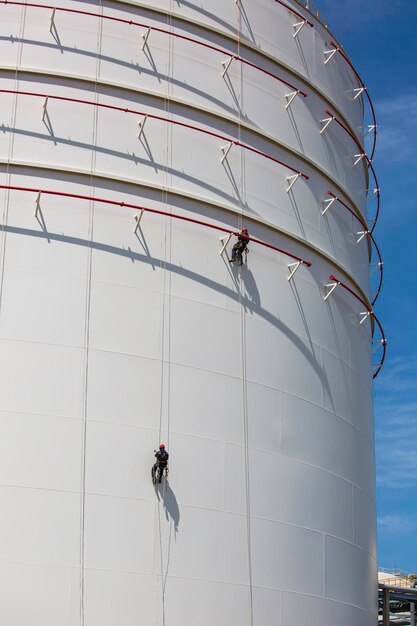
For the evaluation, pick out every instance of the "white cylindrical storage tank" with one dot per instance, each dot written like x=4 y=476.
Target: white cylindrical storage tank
x=136 y=140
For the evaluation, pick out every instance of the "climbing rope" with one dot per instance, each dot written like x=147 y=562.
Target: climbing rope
x=241 y=187
x=87 y=325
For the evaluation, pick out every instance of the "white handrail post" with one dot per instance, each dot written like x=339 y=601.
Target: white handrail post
x=145 y=38
x=365 y=315
x=372 y=194
x=52 y=20
x=358 y=158
x=44 y=108
x=226 y=149
x=329 y=202
x=38 y=204
x=141 y=125
x=293 y=180
x=361 y=234
x=326 y=122
x=358 y=91
x=294 y=267
x=137 y=219
x=225 y=240
x=331 y=54
x=332 y=288
x=298 y=26
x=226 y=65
x=290 y=97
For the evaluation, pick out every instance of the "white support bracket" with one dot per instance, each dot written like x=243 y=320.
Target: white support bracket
x=364 y=316
x=137 y=219
x=327 y=204
x=326 y=122
x=226 y=64
x=38 y=204
x=358 y=92
x=373 y=267
x=292 y=180
x=141 y=125
x=290 y=97
x=329 y=54
x=378 y=343
x=298 y=26
x=331 y=287
x=293 y=267
x=225 y=240
x=45 y=108
x=145 y=38
x=376 y=190
x=52 y=21
x=361 y=234
x=226 y=149
x=371 y=127
x=358 y=158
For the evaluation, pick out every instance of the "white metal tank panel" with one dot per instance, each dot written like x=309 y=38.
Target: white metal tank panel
x=133 y=137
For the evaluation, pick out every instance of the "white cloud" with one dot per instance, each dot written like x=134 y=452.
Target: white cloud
x=396 y=425
x=397 y=128
x=395 y=524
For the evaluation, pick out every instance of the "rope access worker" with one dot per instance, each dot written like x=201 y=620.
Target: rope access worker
x=161 y=463
x=240 y=246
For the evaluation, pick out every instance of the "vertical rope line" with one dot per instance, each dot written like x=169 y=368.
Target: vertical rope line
x=243 y=323
x=6 y=206
x=165 y=336
x=168 y=237
x=87 y=330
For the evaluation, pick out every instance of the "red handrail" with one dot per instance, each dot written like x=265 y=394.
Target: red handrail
x=368 y=160
x=362 y=84
x=295 y=12
x=158 y=30
x=138 y=207
x=368 y=232
x=159 y=118
x=372 y=313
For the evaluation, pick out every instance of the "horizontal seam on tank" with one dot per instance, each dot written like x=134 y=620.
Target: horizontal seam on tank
x=178 y=577
x=152 y=358
x=328 y=599
x=292 y=395
x=149 y=574
x=227 y=442
x=285 y=147
x=308 y=464
x=183 y=505
x=80 y=349
x=128 y=425
x=207 y=202
x=245 y=43
x=133 y=354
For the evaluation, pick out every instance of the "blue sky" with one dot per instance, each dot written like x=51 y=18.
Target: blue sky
x=381 y=41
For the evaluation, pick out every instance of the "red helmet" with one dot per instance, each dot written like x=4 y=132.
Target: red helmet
x=162 y=446
x=244 y=230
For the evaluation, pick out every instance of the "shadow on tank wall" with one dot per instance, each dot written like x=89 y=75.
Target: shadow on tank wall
x=172 y=512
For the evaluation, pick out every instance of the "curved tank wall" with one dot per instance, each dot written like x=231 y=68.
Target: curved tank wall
x=116 y=333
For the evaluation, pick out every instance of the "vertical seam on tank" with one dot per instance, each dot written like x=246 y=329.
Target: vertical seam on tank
x=6 y=206
x=87 y=329
x=239 y=9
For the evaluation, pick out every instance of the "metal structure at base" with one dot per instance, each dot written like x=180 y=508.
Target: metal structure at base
x=137 y=141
